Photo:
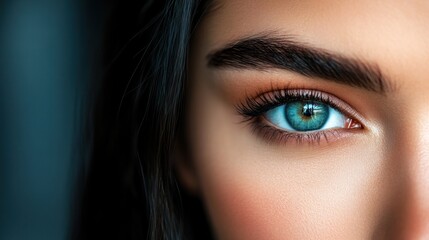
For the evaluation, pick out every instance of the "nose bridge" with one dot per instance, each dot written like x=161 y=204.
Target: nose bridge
x=410 y=144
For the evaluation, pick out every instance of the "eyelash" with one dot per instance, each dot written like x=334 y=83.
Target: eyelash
x=253 y=109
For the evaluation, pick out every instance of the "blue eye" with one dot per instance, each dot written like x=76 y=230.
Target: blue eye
x=305 y=116
x=302 y=114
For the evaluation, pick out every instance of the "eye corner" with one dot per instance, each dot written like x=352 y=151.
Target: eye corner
x=352 y=123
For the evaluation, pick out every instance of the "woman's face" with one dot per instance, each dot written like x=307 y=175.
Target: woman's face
x=310 y=119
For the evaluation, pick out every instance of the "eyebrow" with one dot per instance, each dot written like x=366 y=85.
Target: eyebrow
x=265 y=52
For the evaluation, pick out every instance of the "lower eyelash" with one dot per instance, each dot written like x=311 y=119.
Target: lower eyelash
x=275 y=135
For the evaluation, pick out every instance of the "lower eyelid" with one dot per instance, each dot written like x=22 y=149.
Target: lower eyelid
x=276 y=136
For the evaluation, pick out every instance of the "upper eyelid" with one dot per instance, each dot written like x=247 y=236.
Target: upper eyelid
x=269 y=97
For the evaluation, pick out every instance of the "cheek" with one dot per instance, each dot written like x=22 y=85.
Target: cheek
x=247 y=211
x=256 y=190
x=247 y=200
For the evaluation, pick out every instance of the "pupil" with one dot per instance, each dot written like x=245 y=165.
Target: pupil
x=307 y=110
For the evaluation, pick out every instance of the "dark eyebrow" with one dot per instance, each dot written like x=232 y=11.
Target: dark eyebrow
x=264 y=52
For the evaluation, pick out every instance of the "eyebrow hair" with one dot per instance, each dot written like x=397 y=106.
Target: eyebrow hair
x=264 y=52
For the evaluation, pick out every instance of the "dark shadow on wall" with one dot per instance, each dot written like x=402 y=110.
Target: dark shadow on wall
x=49 y=51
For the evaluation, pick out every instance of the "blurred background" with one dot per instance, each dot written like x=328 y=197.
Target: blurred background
x=50 y=52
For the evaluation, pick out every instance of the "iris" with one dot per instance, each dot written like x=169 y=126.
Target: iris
x=306 y=115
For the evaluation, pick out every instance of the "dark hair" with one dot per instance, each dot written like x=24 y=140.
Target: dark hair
x=130 y=189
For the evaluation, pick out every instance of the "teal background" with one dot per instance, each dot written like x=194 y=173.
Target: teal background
x=48 y=53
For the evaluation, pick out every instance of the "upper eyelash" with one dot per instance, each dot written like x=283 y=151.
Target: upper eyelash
x=253 y=107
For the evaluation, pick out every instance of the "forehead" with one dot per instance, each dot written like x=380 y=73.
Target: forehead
x=309 y=18
x=392 y=33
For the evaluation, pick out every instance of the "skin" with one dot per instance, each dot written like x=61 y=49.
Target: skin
x=370 y=183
